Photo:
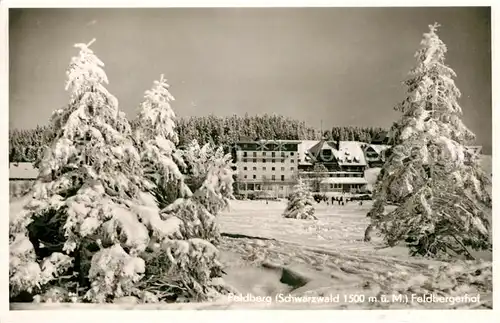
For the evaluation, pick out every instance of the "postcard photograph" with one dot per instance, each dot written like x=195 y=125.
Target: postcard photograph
x=231 y=158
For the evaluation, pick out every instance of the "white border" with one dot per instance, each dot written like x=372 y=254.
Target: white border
x=231 y=316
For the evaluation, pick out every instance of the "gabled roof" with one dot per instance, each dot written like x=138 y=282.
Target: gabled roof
x=321 y=145
x=350 y=153
x=378 y=148
x=381 y=137
x=474 y=149
x=22 y=171
x=303 y=149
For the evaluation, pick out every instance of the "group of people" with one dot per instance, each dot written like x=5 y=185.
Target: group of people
x=341 y=200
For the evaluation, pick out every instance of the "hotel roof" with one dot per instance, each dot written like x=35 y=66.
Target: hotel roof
x=378 y=148
x=350 y=153
x=22 y=171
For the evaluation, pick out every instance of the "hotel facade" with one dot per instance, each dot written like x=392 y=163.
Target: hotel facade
x=266 y=168
x=270 y=168
x=343 y=164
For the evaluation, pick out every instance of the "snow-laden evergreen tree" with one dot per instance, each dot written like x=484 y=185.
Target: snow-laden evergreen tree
x=209 y=175
x=156 y=139
x=93 y=232
x=436 y=184
x=180 y=265
x=85 y=179
x=300 y=203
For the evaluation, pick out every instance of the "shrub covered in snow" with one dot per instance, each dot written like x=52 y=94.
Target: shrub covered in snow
x=300 y=203
x=19 y=188
x=93 y=229
x=438 y=186
x=209 y=175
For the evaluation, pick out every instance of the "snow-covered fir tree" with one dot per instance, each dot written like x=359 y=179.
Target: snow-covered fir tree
x=300 y=204
x=93 y=232
x=436 y=184
x=210 y=172
x=209 y=175
x=91 y=170
x=188 y=259
x=156 y=139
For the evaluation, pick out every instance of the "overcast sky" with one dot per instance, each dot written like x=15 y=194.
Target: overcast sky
x=343 y=66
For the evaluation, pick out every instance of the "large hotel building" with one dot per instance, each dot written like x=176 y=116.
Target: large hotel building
x=271 y=168
x=267 y=166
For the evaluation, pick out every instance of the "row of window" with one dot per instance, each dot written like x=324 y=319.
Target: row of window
x=273 y=177
x=334 y=175
x=346 y=185
x=258 y=187
x=272 y=168
x=273 y=154
x=263 y=160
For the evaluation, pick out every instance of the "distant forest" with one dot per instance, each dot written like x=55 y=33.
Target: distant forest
x=27 y=145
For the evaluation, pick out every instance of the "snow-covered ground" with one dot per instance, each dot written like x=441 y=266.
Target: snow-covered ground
x=329 y=254
x=268 y=255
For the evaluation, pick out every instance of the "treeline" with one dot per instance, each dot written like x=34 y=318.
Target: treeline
x=27 y=145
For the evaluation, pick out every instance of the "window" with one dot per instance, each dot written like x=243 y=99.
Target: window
x=255 y=154
x=273 y=168
x=293 y=161
x=245 y=168
x=244 y=160
x=291 y=168
x=273 y=177
x=282 y=168
x=291 y=153
x=254 y=160
x=282 y=160
x=263 y=168
x=282 y=178
x=298 y=160
x=245 y=176
x=263 y=160
x=331 y=185
x=244 y=154
x=263 y=153
x=254 y=176
x=281 y=187
x=255 y=168
x=273 y=161
x=283 y=154
x=273 y=154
